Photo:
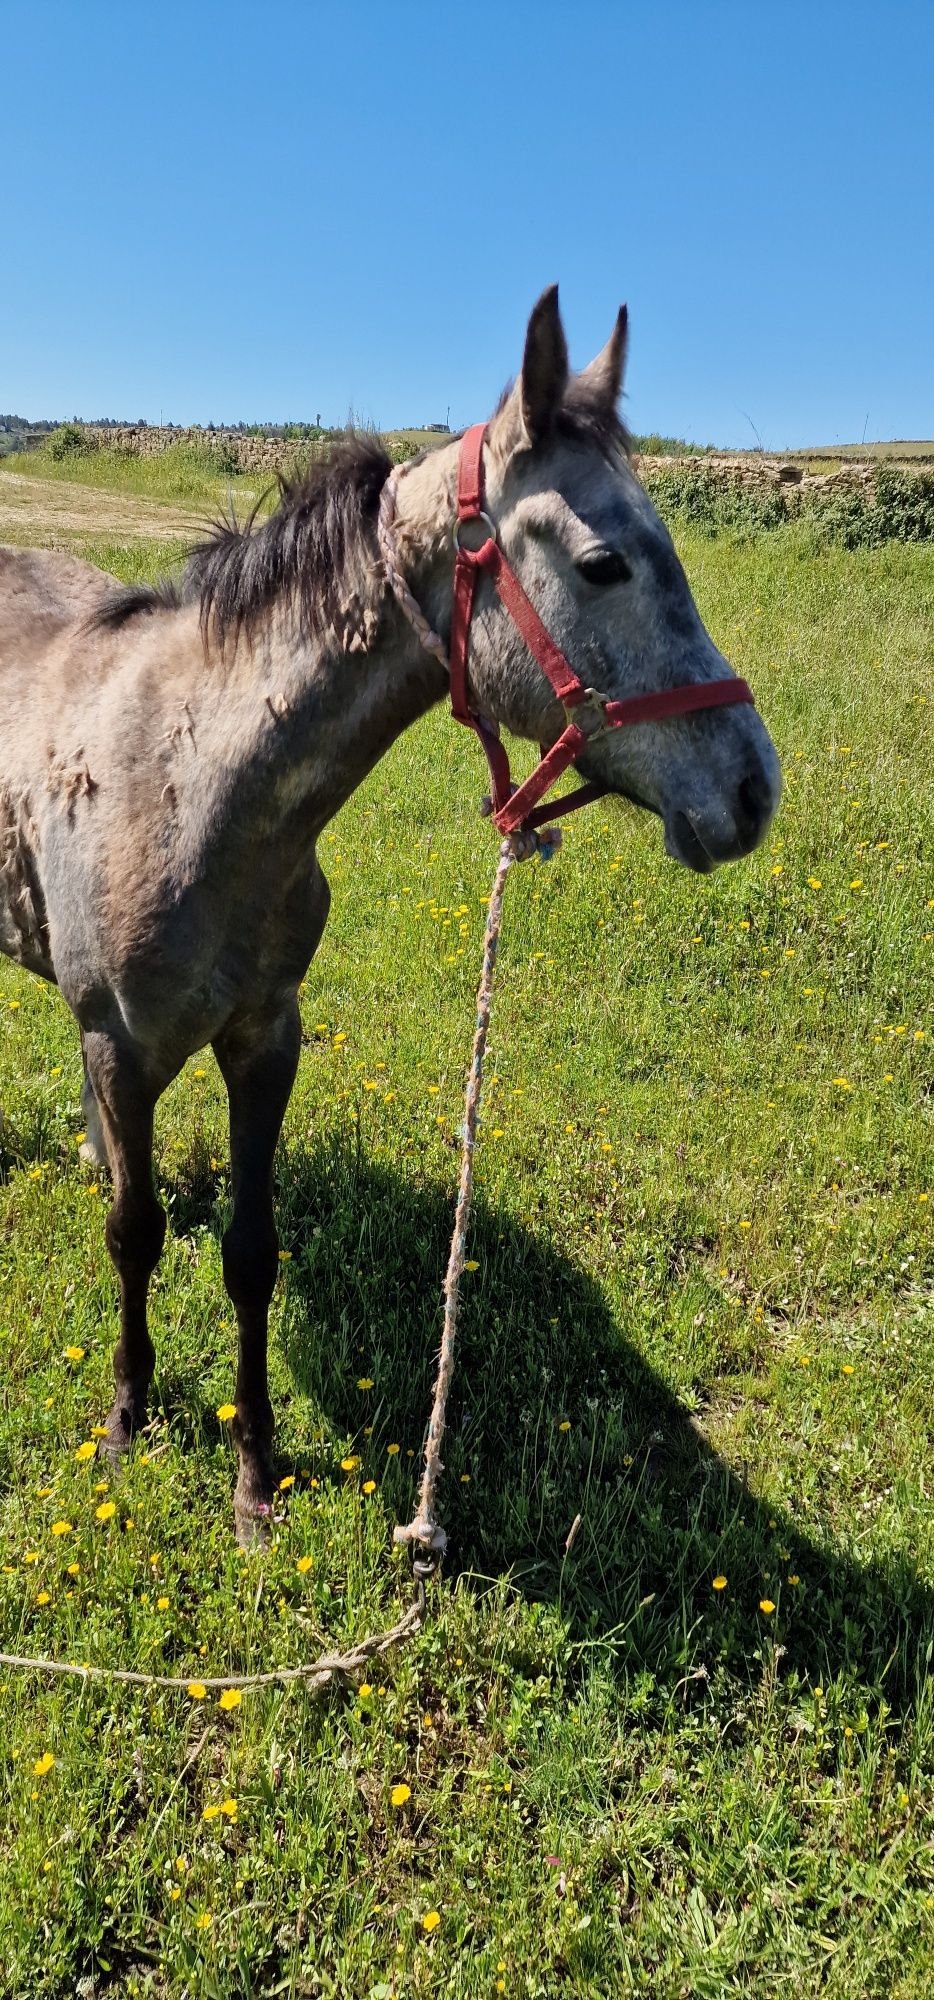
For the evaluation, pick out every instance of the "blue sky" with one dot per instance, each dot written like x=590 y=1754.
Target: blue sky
x=266 y=211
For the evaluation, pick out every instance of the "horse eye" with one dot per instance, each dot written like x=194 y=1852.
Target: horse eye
x=607 y=566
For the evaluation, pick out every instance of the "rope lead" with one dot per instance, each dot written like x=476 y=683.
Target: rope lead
x=424 y=1529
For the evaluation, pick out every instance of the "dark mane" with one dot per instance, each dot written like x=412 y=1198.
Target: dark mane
x=586 y=421
x=591 y=423
x=316 y=551
x=323 y=530
x=115 y=612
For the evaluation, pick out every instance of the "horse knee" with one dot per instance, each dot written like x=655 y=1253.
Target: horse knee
x=135 y=1234
x=251 y=1263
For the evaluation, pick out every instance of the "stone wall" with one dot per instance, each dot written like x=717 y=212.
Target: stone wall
x=766 y=474
x=236 y=450
x=791 y=481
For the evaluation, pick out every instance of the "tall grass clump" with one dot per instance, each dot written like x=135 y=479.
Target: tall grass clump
x=69 y=441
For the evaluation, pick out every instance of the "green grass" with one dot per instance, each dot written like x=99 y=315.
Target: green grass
x=181 y=472
x=702 y=1319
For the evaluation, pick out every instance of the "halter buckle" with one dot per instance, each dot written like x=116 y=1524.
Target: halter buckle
x=592 y=705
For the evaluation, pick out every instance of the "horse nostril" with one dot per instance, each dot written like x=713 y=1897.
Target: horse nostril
x=752 y=793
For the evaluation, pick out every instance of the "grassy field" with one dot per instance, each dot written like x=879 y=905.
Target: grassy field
x=694 y=1756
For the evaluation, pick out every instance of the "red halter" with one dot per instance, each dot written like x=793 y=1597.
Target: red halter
x=588 y=713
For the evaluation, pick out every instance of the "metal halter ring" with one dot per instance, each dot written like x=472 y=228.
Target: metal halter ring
x=593 y=705
x=466 y=521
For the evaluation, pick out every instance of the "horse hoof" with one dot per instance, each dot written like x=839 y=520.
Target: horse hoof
x=122 y=1426
x=92 y=1155
x=253 y=1523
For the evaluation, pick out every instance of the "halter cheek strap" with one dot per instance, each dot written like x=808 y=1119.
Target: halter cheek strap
x=587 y=712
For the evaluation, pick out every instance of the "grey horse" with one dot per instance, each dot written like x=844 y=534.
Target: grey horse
x=169 y=758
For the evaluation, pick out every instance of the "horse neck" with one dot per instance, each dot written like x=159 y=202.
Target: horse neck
x=322 y=718
x=340 y=702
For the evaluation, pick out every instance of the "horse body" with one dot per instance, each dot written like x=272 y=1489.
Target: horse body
x=167 y=763
x=162 y=801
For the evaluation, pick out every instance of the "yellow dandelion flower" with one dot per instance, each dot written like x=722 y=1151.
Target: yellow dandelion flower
x=197 y=1690
x=288 y=1481
x=350 y=1463
x=231 y=1698
x=204 y=1922
x=43 y=1764
x=74 y=1354
x=719 y=1583
x=565 y=1424
x=210 y=1812
x=364 y=1690
x=226 y=1411
x=43 y=1597
x=369 y=1486
x=85 y=1451
x=471 y=1264
x=814 y=882
x=392 y=1450
x=229 y=1808
x=847 y=1368
x=794 y=1580
x=61 y=1527
x=766 y=1605
x=431 y=1920
x=162 y=1604
x=74 y=1569
x=364 y=1382
x=106 y=1510
x=303 y=1565
x=400 y=1794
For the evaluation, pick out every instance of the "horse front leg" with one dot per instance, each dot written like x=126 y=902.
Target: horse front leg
x=92 y=1151
x=125 y=1100
x=258 y=1066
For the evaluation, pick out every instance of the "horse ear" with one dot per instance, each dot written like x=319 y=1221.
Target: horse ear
x=602 y=381
x=544 y=376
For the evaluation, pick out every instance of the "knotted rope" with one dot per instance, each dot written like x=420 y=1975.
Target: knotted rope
x=318 y=1673
x=425 y=1528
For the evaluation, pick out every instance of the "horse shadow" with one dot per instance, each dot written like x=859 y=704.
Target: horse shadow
x=554 y=1414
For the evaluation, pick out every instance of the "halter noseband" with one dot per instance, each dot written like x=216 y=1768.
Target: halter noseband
x=588 y=713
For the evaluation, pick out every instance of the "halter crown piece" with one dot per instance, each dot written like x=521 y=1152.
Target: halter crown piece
x=588 y=713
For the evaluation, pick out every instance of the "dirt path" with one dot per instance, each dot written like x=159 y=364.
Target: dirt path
x=44 y=511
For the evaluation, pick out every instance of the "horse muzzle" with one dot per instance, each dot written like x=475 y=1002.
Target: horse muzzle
x=724 y=822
